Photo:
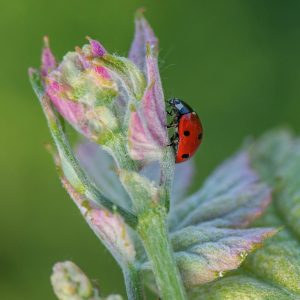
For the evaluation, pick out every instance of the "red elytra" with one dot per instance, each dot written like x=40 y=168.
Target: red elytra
x=188 y=135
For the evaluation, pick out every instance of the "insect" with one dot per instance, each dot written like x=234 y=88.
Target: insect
x=188 y=130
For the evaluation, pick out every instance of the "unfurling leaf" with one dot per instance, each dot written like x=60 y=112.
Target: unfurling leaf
x=70 y=283
x=143 y=35
x=92 y=89
x=147 y=127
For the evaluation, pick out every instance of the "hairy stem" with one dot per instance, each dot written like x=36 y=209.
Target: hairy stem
x=167 y=175
x=118 y=150
x=154 y=234
x=133 y=283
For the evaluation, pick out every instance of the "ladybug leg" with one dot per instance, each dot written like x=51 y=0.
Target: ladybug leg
x=172 y=111
x=174 y=123
x=172 y=144
x=174 y=139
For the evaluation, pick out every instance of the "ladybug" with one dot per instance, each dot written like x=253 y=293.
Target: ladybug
x=188 y=130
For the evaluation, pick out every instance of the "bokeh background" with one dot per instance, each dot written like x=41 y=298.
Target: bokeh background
x=237 y=62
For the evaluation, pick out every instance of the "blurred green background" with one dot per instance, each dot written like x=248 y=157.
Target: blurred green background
x=237 y=62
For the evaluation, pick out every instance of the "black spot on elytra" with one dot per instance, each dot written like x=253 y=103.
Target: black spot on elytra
x=200 y=136
x=185 y=156
x=186 y=133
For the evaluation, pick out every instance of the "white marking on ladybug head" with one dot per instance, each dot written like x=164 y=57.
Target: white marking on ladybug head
x=179 y=106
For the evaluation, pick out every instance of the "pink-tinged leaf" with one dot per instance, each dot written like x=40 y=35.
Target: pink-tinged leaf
x=73 y=112
x=153 y=102
x=97 y=49
x=147 y=128
x=48 y=60
x=206 y=253
x=84 y=59
x=142 y=144
x=92 y=89
x=231 y=197
x=109 y=227
x=143 y=35
x=103 y=72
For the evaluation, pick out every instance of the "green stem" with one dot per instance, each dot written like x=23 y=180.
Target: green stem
x=154 y=234
x=116 y=146
x=167 y=175
x=133 y=283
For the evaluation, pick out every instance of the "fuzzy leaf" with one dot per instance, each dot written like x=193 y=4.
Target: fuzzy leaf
x=143 y=35
x=92 y=89
x=272 y=272
x=206 y=253
x=231 y=197
x=239 y=287
x=147 y=126
x=48 y=60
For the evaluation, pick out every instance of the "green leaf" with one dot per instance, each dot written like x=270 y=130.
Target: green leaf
x=206 y=253
x=238 y=287
x=231 y=197
x=272 y=272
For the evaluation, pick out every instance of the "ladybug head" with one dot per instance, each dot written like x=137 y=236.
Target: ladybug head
x=174 y=101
